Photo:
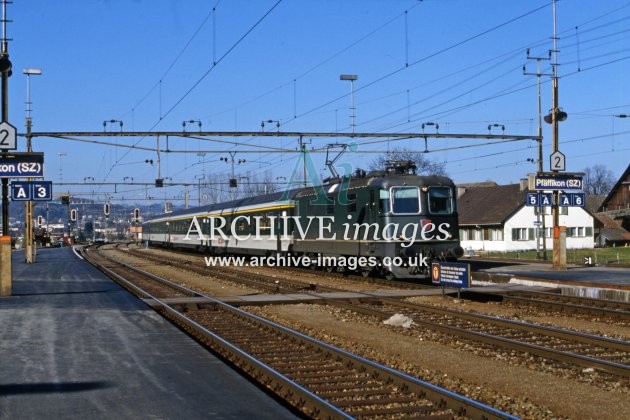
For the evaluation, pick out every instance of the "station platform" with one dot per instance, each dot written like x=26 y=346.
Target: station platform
x=74 y=344
x=575 y=275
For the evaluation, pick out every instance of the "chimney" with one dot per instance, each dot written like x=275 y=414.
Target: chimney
x=523 y=184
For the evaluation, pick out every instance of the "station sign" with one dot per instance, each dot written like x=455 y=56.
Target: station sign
x=31 y=191
x=572 y=199
x=450 y=274
x=537 y=199
x=556 y=181
x=22 y=165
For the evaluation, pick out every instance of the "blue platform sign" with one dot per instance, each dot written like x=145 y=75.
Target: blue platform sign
x=537 y=199
x=572 y=199
x=22 y=165
x=21 y=191
x=31 y=191
x=451 y=274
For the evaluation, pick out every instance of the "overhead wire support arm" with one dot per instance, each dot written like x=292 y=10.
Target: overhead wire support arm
x=60 y=134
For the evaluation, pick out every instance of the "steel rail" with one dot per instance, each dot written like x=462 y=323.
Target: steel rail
x=574 y=358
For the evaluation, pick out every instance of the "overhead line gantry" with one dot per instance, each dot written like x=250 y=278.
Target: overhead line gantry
x=58 y=134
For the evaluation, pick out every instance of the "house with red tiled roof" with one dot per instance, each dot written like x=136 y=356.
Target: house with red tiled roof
x=495 y=218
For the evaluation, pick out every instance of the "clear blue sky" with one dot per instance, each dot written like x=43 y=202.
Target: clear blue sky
x=234 y=63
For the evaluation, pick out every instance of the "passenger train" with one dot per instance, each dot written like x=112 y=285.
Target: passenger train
x=392 y=223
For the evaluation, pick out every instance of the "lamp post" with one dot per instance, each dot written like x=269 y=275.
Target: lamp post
x=29 y=252
x=556 y=115
x=352 y=78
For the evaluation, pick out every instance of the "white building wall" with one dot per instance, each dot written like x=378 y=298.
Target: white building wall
x=524 y=219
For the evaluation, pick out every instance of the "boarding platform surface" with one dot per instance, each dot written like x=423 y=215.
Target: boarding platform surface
x=74 y=344
x=573 y=275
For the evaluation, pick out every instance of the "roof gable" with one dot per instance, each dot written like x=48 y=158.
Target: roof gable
x=490 y=205
x=625 y=177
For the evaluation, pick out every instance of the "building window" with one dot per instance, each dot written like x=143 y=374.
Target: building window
x=577 y=232
x=519 y=234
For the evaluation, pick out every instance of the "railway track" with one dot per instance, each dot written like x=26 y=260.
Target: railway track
x=574 y=348
x=318 y=380
x=274 y=284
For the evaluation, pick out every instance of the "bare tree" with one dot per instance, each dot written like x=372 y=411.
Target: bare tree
x=424 y=166
x=598 y=180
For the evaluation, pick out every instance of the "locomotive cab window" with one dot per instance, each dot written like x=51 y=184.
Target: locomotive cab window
x=405 y=200
x=383 y=201
x=440 y=200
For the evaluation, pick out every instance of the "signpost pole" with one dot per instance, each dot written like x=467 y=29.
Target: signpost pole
x=28 y=225
x=5 y=68
x=6 y=276
x=559 y=248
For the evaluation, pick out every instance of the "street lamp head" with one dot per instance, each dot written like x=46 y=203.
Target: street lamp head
x=32 y=71
x=351 y=77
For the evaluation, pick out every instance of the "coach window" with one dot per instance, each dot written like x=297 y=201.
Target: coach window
x=265 y=223
x=405 y=200
x=440 y=200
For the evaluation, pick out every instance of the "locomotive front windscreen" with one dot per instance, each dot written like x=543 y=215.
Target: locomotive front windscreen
x=440 y=200
x=405 y=200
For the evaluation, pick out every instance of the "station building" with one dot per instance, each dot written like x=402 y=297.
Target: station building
x=495 y=218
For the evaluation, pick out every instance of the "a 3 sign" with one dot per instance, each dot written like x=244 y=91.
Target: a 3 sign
x=31 y=191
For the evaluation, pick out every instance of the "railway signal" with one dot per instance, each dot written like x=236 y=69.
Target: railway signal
x=106 y=209
x=40 y=221
x=136 y=214
x=73 y=215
